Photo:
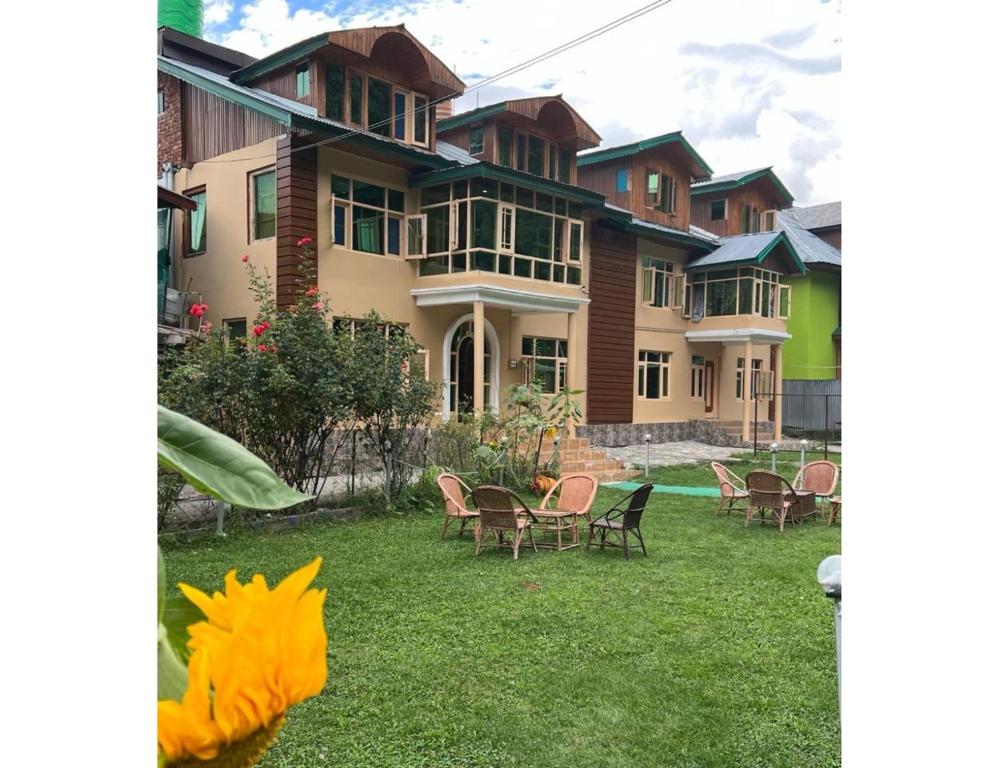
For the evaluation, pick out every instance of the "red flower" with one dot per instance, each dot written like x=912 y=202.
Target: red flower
x=245 y=257
x=312 y=291
x=206 y=326
x=317 y=306
x=262 y=347
x=197 y=310
x=273 y=348
x=304 y=241
x=265 y=325
x=258 y=330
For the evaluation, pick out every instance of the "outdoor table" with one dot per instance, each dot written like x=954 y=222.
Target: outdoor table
x=557 y=521
x=805 y=506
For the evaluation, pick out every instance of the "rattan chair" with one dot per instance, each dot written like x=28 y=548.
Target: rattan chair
x=820 y=477
x=502 y=512
x=767 y=490
x=455 y=502
x=834 y=509
x=620 y=519
x=575 y=492
x=732 y=488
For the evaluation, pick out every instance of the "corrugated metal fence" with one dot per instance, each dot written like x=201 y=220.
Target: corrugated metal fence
x=812 y=404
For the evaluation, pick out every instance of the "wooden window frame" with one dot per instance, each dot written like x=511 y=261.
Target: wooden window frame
x=769 y=220
x=251 y=177
x=653 y=199
x=648 y=273
x=348 y=100
x=481 y=149
x=724 y=215
x=186 y=234
x=664 y=385
x=627 y=180
x=409 y=219
x=408 y=115
x=427 y=123
x=697 y=381
x=558 y=360
x=305 y=68
x=388 y=213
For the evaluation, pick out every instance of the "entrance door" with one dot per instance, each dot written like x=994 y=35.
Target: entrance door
x=462 y=370
x=466 y=375
x=708 y=386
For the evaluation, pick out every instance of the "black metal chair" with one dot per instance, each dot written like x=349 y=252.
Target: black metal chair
x=620 y=519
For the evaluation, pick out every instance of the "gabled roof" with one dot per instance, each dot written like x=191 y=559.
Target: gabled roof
x=294 y=114
x=174 y=44
x=740 y=179
x=360 y=44
x=811 y=248
x=627 y=150
x=529 y=108
x=745 y=250
x=622 y=219
x=819 y=216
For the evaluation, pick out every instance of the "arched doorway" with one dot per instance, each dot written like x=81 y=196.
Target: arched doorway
x=459 y=368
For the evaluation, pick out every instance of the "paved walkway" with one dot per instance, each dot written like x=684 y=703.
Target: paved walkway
x=684 y=452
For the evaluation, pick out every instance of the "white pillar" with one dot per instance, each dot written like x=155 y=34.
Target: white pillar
x=747 y=392
x=572 y=354
x=778 y=390
x=479 y=348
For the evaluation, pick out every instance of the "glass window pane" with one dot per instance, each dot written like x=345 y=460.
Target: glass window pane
x=521 y=152
x=368 y=194
x=394 y=236
x=265 y=206
x=462 y=225
x=559 y=239
x=524 y=197
x=505 y=145
x=483 y=224
x=717 y=210
x=527 y=346
x=438 y=229
x=745 y=296
x=522 y=267
x=546 y=347
x=574 y=211
x=575 y=243
x=544 y=373
x=399 y=116
x=652 y=386
x=574 y=275
x=334 y=91
x=552 y=161
x=368 y=226
x=339 y=225
x=535 y=156
x=544 y=202
x=396 y=200
x=533 y=234
x=419 y=133
x=507 y=193
x=562 y=348
x=484 y=261
x=379 y=109
x=356 y=99
x=438 y=194
x=197 y=219
x=565 y=166
x=476 y=142
x=340 y=187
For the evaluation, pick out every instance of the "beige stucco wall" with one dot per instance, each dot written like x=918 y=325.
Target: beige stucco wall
x=219 y=273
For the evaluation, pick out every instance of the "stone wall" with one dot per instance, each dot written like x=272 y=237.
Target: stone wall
x=169 y=128
x=613 y=435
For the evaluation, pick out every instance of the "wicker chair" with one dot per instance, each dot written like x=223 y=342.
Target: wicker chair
x=732 y=487
x=767 y=490
x=455 y=502
x=576 y=492
x=502 y=512
x=820 y=477
x=619 y=520
x=835 y=509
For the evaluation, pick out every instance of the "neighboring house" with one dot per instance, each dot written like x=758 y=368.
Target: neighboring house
x=171 y=304
x=507 y=255
x=815 y=351
x=739 y=203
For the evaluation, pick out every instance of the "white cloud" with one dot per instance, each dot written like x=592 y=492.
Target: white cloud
x=706 y=68
x=217 y=12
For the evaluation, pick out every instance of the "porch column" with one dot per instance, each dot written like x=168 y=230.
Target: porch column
x=479 y=348
x=778 y=394
x=747 y=392
x=572 y=356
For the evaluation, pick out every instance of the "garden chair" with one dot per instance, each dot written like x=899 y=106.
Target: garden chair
x=732 y=487
x=835 y=508
x=767 y=490
x=820 y=477
x=455 y=502
x=575 y=493
x=620 y=519
x=500 y=513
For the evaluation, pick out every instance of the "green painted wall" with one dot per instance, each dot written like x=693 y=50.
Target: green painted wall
x=185 y=16
x=814 y=314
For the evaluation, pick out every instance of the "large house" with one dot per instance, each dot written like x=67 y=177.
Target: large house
x=509 y=244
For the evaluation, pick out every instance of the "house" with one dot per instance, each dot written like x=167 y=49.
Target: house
x=503 y=238
x=171 y=305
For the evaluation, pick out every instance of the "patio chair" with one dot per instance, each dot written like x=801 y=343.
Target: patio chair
x=821 y=477
x=455 y=502
x=620 y=519
x=576 y=491
x=767 y=490
x=500 y=513
x=732 y=487
x=835 y=508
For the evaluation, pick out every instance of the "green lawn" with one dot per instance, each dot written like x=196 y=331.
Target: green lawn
x=700 y=474
x=715 y=650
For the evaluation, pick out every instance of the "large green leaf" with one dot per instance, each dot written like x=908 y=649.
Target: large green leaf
x=178 y=614
x=219 y=466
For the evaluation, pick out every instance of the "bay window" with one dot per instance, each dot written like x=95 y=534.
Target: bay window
x=742 y=291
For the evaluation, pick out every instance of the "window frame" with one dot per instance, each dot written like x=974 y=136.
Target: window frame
x=480 y=129
x=201 y=189
x=251 y=186
x=160 y=102
x=560 y=361
x=724 y=209
x=651 y=267
x=349 y=204
x=653 y=199
x=626 y=178
x=697 y=374
x=306 y=70
x=642 y=366
x=227 y=326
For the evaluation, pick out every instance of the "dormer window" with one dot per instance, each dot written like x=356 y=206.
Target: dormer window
x=719 y=210
x=653 y=191
x=476 y=140
x=301 y=80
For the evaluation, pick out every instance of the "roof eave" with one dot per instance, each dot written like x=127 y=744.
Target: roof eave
x=500 y=173
x=279 y=59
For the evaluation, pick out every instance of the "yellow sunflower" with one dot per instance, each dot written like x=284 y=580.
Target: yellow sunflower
x=259 y=652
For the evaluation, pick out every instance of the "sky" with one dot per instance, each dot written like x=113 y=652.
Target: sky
x=750 y=83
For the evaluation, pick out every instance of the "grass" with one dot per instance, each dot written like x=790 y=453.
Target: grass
x=700 y=474
x=715 y=650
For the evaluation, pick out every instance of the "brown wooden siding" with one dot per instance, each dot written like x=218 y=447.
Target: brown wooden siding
x=832 y=236
x=612 y=283
x=213 y=126
x=297 y=214
x=760 y=194
x=282 y=82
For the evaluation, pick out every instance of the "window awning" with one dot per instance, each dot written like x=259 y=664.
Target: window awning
x=516 y=300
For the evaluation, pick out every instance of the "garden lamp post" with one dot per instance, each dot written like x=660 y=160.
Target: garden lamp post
x=803 y=450
x=773 y=448
x=830 y=579
x=647 y=452
x=503 y=442
x=388 y=468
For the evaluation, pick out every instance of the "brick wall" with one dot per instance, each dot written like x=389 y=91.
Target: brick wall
x=169 y=141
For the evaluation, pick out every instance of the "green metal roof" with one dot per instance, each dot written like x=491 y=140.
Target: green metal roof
x=627 y=150
x=500 y=173
x=284 y=56
x=710 y=187
x=746 y=249
x=471 y=116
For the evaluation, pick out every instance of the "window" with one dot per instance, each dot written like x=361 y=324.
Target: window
x=505 y=145
x=476 y=140
x=552 y=161
x=740 y=377
x=547 y=362
x=565 y=165
x=301 y=80
x=422 y=120
x=235 y=328
x=668 y=195
x=756 y=220
x=535 y=156
x=334 y=91
x=487 y=226
x=401 y=102
x=656 y=281
x=264 y=197
x=160 y=103
x=718 y=210
x=623 y=179
x=696 y=377
x=356 y=99
x=521 y=152
x=379 y=107
x=653 y=375
x=369 y=218
x=653 y=191
x=746 y=219
x=769 y=220
x=744 y=291
x=197 y=231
